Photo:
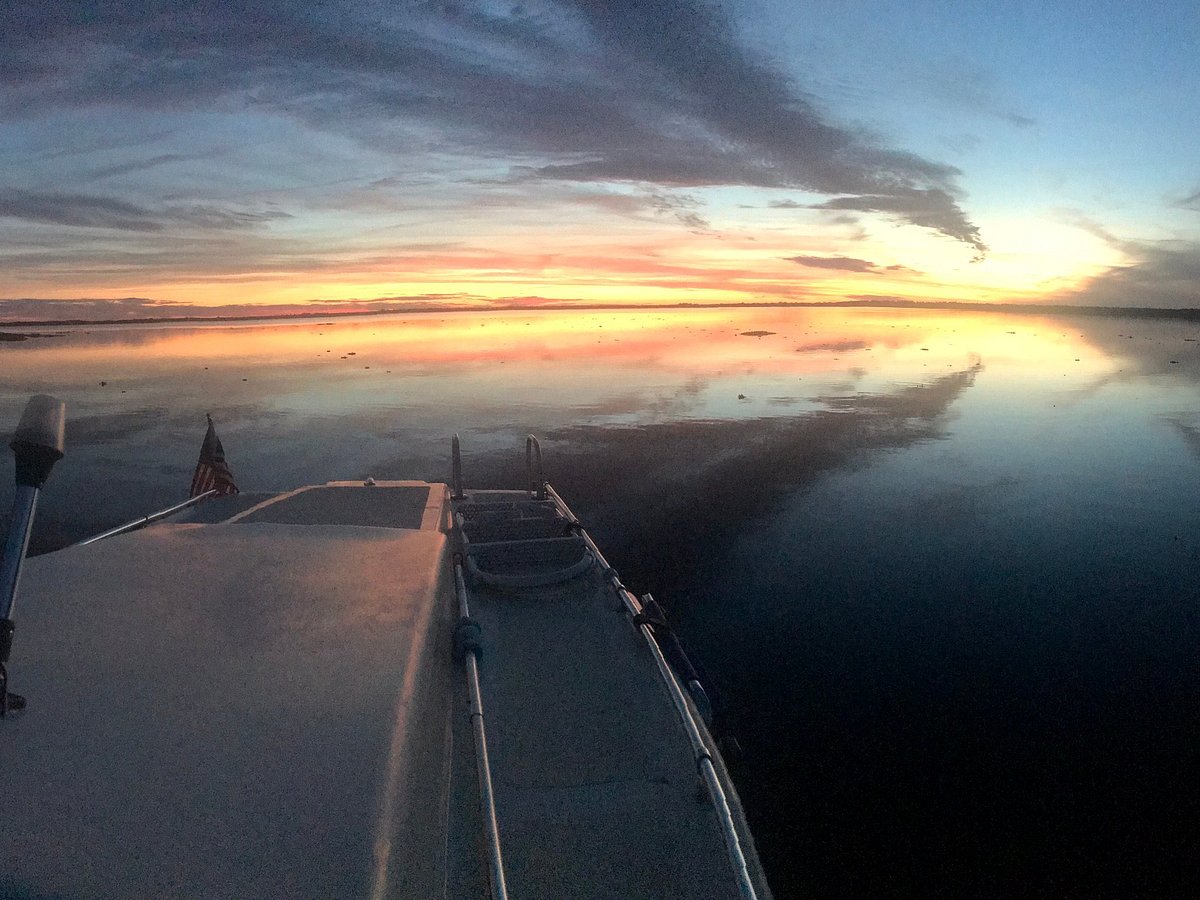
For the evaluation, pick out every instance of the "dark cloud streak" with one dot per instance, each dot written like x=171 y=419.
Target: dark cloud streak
x=929 y=207
x=78 y=210
x=1162 y=274
x=141 y=165
x=845 y=264
x=88 y=211
x=840 y=263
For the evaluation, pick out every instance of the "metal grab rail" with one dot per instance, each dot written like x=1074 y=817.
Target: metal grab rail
x=700 y=751
x=456 y=482
x=483 y=768
x=147 y=520
x=533 y=467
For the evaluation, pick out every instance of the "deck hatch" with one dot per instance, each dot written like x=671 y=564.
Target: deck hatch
x=380 y=506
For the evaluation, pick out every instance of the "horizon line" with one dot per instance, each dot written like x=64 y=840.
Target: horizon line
x=1154 y=312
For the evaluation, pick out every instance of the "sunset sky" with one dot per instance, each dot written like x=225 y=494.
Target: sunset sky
x=156 y=157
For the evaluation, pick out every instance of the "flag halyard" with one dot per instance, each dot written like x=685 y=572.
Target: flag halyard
x=212 y=472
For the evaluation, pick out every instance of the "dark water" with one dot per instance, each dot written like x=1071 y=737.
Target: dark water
x=941 y=568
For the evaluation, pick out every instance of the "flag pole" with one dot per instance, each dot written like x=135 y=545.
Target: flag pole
x=135 y=524
x=211 y=479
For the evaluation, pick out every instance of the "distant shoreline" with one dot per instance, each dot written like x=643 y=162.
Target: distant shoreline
x=1058 y=309
x=12 y=337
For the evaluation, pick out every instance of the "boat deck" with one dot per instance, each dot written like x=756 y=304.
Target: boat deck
x=266 y=707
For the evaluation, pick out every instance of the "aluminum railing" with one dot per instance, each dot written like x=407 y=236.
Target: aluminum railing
x=147 y=520
x=482 y=766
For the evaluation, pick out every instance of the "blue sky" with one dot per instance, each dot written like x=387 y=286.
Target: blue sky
x=1078 y=103
x=345 y=154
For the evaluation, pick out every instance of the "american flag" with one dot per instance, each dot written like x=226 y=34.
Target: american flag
x=212 y=472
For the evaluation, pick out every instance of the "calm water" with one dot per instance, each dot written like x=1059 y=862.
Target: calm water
x=941 y=568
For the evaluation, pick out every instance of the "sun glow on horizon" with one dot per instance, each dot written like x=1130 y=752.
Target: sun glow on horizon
x=1029 y=259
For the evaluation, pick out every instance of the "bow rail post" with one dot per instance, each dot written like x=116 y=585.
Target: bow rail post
x=533 y=468
x=456 y=478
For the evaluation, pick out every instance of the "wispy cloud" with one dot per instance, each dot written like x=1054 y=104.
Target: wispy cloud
x=963 y=86
x=683 y=207
x=659 y=94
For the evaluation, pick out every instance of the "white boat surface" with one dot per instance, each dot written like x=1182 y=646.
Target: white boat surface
x=270 y=697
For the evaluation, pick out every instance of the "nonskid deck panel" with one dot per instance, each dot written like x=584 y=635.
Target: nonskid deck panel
x=376 y=507
x=597 y=794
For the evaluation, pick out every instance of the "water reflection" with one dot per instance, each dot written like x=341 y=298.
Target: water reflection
x=305 y=401
x=667 y=495
x=939 y=565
